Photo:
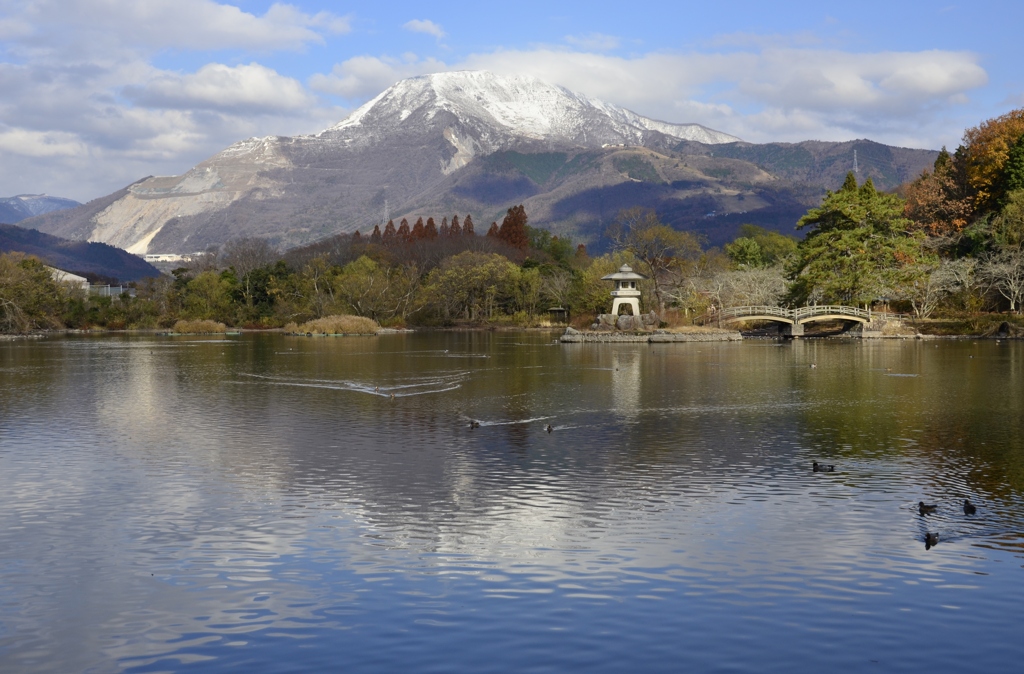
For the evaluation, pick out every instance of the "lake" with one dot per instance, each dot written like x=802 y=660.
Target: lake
x=265 y=503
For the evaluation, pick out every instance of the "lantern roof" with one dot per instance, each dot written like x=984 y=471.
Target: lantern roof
x=625 y=273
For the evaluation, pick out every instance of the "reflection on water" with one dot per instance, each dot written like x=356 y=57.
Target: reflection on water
x=268 y=503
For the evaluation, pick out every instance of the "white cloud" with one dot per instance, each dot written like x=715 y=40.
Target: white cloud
x=366 y=76
x=251 y=89
x=180 y=24
x=28 y=143
x=594 y=41
x=424 y=26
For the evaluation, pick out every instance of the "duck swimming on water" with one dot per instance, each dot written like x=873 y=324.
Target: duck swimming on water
x=930 y=541
x=822 y=468
x=926 y=509
x=549 y=428
x=969 y=508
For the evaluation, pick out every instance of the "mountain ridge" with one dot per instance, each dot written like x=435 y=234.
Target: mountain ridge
x=439 y=141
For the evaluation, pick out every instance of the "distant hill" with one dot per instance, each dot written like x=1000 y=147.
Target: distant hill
x=24 y=206
x=80 y=257
x=474 y=142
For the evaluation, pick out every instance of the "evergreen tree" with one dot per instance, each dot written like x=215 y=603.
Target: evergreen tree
x=859 y=249
x=1013 y=171
x=445 y=231
x=403 y=231
x=493 y=231
x=430 y=231
x=389 y=233
x=513 y=228
x=455 y=229
x=357 y=237
x=467 y=226
x=418 y=230
x=376 y=236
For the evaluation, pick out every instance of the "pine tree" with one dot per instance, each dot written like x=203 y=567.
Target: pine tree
x=430 y=231
x=403 y=231
x=1013 y=170
x=455 y=229
x=389 y=233
x=493 y=231
x=375 y=237
x=418 y=230
x=513 y=228
x=467 y=226
x=445 y=231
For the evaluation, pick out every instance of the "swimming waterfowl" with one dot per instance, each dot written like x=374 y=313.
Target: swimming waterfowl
x=926 y=509
x=474 y=424
x=814 y=366
x=930 y=540
x=549 y=428
x=969 y=508
x=823 y=468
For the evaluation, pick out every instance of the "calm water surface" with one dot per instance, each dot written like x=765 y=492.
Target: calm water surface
x=262 y=504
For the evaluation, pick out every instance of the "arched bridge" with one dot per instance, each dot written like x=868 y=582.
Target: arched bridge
x=793 y=320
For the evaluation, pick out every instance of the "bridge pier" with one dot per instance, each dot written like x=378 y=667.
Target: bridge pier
x=792 y=330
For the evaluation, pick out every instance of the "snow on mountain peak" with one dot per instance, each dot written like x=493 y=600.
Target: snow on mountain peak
x=519 y=106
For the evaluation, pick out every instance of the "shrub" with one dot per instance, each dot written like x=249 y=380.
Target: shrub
x=199 y=327
x=336 y=325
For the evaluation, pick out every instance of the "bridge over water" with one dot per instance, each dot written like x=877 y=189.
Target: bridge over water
x=794 y=320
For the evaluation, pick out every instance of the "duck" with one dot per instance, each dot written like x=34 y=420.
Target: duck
x=823 y=468
x=926 y=509
x=550 y=429
x=474 y=424
x=930 y=540
x=814 y=366
x=392 y=396
x=969 y=508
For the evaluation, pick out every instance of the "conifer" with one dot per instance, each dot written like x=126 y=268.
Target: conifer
x=445 y=231
x=1013 y=170
x=418 y=230
x=430 y=231
x=403 y=231
x=467 y=226
x=513 y=228
x=455 y=229
x=493 y=231
x=389 y=233
x=375 y=237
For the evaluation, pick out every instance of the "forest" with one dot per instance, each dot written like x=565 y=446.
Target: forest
x=948 y=245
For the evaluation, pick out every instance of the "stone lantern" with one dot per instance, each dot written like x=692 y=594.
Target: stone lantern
x=626 y=291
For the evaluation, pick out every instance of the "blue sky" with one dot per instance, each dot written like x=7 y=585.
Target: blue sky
x=95 y=94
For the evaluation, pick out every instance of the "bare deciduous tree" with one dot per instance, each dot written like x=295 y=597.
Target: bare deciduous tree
x=659 y=248
x=1004 y=273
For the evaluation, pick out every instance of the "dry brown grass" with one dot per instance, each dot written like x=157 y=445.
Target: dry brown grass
x=336 y=325
x=199 y=328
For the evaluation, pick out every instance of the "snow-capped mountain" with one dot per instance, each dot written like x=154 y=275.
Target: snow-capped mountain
x=484 y=113
x=18 y=208
x=459 y=142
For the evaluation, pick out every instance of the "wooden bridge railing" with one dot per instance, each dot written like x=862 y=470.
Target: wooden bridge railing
x=799 y=314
